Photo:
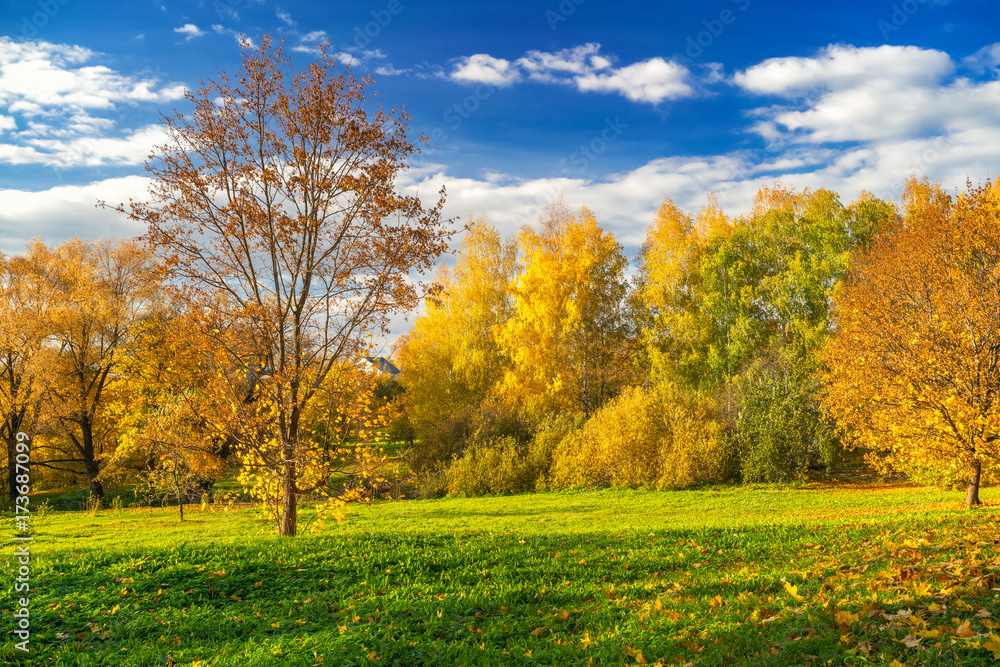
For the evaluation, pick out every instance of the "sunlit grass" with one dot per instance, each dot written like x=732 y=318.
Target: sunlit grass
x=601 y=577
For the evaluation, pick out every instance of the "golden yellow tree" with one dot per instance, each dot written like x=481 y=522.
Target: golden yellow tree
x=99 y=293
x=914 y=370
x=25 y=302
x=672 y=293
x=275 y=204
x=568 y=341
x=452 y=357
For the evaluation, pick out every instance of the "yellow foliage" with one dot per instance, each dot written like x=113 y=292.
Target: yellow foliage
x=913 y=371
x=662 y=438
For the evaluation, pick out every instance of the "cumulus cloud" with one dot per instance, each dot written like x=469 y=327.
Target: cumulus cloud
x=484 y=68
x=64 y=211
x=650 y=81
x=53 y=103
x=849 y=94
x=190 y=31
x=585 y=68
x=840 y=67
x=35 y=75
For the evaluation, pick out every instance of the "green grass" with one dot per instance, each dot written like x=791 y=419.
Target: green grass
x=569 y=578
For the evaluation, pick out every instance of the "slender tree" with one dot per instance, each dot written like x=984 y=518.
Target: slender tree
x=568 y=339
x=276 y=206
x=24 y=309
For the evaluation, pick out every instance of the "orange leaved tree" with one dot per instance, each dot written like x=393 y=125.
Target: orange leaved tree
x=914 y=371
x=276 y=206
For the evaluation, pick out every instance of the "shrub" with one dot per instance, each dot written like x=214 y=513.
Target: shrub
x=541 y=451
x=664 y=439
x=448 y=439
x=780 y=432
x=496 y=465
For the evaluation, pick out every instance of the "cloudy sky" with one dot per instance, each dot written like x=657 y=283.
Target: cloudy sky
x=614 y=105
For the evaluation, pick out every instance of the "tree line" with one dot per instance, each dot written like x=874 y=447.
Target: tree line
x=277 y=244
x=753 y=347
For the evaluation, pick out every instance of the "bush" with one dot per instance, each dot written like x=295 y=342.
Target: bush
x=541 y=452
x=663 y=439
x=448 y=439
x=497 y=465
x=780 y=432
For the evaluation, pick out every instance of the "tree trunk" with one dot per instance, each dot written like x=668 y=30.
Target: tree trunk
x=178 y=490
x=89 y=460
x=972 y=496
x=289 y=509
x=11 y=468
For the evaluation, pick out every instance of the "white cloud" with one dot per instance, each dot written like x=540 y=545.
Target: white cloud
x=309 y=42
x=554 y=67
x=284 y=16
x=96 y=151
x=190 y=31
x=984 y=60
x=850 y=94
x=39 y=74
x=651 y=81
x=64 y=211
x=840 y=67
x=57 y=98
x=389 y=70
x=484 y=68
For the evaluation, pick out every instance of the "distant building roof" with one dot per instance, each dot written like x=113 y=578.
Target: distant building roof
x=382 y=365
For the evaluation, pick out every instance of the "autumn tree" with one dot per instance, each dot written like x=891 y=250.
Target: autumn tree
x=24 y=359
x=452 y=357
x=98 y=294
x=155 y=407
x=276 y=205
x=568 y=340
x=914 y=372
x=676 y=330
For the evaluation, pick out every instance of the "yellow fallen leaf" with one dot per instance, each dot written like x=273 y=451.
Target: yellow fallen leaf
x=992 y=643
x=793 y=591
x=845 y=617
x=965 y=630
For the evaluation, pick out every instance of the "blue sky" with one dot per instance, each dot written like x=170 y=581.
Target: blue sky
x=613 y=105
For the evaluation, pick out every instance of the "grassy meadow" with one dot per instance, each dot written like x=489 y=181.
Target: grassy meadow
x=842 y=574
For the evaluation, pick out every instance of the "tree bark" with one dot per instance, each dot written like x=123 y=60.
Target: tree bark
x=972 y=496
x=90 y=461
x=289 y=508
